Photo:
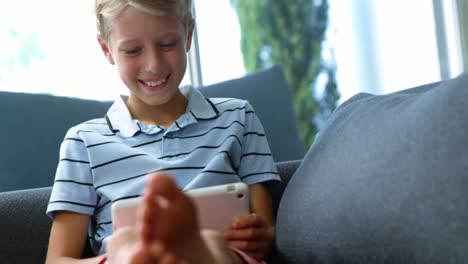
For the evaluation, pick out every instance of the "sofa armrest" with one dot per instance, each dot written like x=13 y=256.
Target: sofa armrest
x=24 y=225
x=285 y=169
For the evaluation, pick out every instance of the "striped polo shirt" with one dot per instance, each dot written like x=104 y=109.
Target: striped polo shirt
x=216 y=141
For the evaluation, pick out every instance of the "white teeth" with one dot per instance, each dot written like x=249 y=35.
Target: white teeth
x=155 y=83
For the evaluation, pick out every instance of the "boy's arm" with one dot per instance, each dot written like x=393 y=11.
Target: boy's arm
x=67 y=239
x=254 y=234
x=260 y=200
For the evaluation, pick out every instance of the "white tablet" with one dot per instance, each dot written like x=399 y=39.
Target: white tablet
x=217 y=206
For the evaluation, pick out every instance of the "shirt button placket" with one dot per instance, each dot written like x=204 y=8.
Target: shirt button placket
x=163 y=145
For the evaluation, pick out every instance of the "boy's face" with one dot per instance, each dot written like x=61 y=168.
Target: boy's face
x=150 y=54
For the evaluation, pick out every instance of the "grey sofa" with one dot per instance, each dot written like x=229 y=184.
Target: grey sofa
x=386 y=181
x=35 y=124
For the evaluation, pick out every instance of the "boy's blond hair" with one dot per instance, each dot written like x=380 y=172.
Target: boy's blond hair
x=107 y=10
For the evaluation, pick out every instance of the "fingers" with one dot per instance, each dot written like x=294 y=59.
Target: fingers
x=255 y=249
x=253 y=241
x=167 y=213
x=159 y=185
x=252 y=235
x=149 y=216
x=251 y=220
x=249 y=233
x=251 y=227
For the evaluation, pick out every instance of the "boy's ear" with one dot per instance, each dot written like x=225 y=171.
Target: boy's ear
x=105 y=49
x=190 y=35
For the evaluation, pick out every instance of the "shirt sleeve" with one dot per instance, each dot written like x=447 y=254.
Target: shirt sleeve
x=73 y=188
x=256 y=164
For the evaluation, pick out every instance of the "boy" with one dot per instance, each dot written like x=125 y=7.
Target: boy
x=158 y=127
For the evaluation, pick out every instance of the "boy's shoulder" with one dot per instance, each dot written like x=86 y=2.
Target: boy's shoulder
x=224 y=103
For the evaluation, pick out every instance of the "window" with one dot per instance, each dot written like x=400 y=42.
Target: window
x=55 y=52
x=385 y=46
x=218 y=41
x=379 y=46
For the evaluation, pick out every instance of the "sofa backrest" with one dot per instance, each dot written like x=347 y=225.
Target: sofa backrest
x=34 y=125
x=269 y=94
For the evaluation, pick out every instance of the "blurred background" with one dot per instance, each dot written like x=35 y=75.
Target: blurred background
x=329 y=49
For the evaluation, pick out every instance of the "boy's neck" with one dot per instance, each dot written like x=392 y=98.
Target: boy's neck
x=163 y=115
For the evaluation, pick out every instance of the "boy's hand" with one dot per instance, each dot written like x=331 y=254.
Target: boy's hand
x=251 y=234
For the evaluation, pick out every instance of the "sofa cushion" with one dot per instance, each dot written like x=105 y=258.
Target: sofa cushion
x=385 y=182
x=24 y=226
x=270 y=96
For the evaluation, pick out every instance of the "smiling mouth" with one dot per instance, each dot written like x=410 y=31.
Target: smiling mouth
x=155 y=84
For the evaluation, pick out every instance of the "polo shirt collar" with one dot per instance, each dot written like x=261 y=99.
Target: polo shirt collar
x=198 y=105
x=120 y=119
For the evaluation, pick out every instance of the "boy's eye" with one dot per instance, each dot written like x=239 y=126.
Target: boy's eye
x=168 y=45
x=132 y=51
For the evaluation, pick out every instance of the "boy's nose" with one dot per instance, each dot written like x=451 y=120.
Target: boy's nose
x=153 y=62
